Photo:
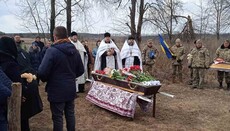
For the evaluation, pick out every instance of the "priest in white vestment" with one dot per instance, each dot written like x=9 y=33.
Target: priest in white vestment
x=130 y=53
x=108 y=55
x=80 y=83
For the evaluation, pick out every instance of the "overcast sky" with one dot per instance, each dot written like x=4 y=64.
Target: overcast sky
x=10 y=24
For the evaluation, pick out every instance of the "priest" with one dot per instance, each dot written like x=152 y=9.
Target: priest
x=84 y=57
x=108 y=55
x=130 y=53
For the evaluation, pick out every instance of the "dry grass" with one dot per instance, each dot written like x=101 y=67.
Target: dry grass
x=190 y=110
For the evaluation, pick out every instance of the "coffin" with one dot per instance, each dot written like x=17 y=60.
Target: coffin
x=147 y=90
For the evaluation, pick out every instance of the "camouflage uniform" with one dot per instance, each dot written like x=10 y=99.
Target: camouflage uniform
x=148 y=62
x=199 y=62
x=223 y=53
x=179 y=54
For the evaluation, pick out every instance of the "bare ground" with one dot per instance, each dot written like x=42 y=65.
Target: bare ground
x=191 y=109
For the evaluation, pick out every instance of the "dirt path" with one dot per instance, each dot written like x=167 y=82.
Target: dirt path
x=191 y=109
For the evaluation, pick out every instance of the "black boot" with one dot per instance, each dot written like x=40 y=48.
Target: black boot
x=221 y=85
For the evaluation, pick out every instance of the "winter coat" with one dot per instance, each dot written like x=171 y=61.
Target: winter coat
x=5 y=92
x=8 y=62
x=35 y=58
x=200 y=58
x=60 y=67
x=94 y=52
x=33 y=104
x=179 y=54
x=145 y=55
x=21 y=45
x=223 y=53
x=40 y=44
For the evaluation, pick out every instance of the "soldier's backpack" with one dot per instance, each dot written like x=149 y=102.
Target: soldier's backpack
x=151 y=54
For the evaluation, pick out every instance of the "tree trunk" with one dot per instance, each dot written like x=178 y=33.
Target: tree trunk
x=132 y=18
x=52 y=19
x=140 y=22
x=171 y=17
x=68 y=16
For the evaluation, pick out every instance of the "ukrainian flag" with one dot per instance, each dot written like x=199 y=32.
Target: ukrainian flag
x=165 y=47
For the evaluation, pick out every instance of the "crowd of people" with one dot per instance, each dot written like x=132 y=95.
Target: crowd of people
x=65 y=65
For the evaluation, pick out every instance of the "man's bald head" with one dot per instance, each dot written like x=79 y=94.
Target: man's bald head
x=60 y=32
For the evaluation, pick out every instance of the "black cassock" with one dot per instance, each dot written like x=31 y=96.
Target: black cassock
x=103 y=60
x=135 y=62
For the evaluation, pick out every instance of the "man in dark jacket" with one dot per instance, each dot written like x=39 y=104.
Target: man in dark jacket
x=39 y=43
x=60 y=67
x=5 y=92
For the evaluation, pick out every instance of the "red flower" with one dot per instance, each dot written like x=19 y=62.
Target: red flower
x=100 y=72
x=135 y=68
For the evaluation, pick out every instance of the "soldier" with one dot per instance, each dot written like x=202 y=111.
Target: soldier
x=149 y=55
x=223 y=52
x=189 y=56
x=178 y=56
x=200 y=60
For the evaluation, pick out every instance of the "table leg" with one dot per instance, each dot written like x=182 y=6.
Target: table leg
x=154 y=104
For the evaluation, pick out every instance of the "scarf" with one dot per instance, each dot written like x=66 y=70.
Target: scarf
x=60 y=41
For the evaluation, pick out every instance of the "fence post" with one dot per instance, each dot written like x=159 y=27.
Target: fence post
x=14 y=108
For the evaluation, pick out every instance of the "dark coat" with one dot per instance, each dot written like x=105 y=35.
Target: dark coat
x=60 y=67
x=40 y=44
x=10 y=67
x=5 y=92
x=33 y=104
x=43 y=51
x=35 y=58
x=8 y=56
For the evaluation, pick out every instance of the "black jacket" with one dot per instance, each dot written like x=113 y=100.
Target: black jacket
x=60 y=67
x=33 y=104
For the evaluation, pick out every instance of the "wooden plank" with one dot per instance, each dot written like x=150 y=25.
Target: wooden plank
x=14 y=108
x=125 y=89
x=224 y=67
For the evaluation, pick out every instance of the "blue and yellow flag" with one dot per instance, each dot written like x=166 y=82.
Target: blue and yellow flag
x=165 y=47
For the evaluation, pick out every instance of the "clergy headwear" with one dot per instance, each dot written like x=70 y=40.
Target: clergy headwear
x=107 y=34
x=73 y=33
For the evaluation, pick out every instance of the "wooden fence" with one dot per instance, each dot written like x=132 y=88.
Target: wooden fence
x=14 y=108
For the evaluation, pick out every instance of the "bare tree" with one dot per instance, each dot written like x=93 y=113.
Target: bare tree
x=52 y=19
x=137 y=9
x=68 y=16
x=34 y=17
x=221 y=14
x=163 y=14
x=202 y=19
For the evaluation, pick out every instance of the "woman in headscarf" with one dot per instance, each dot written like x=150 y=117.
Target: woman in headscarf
x=14 y=63
x=9 y=65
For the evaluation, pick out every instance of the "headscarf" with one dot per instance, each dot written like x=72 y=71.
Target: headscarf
x=8 y=47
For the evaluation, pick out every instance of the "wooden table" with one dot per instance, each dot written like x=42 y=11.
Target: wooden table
x=221 y=67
